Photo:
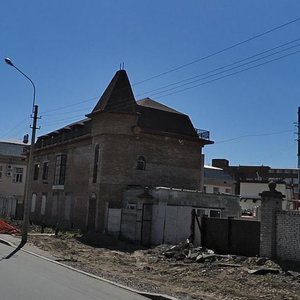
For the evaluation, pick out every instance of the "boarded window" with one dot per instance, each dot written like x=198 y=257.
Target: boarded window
x=43 y=204
x=33 y=202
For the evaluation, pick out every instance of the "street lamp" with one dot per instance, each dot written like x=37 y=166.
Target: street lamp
x=29 y=165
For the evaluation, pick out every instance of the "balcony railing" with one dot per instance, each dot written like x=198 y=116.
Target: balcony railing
x=202 y=134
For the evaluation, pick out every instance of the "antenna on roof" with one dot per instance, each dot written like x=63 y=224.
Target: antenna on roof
x=122 y=66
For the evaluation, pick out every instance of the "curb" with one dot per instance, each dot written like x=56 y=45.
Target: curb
x=7 y=243
x=152 y=296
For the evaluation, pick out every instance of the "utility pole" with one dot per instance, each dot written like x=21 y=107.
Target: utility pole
x=298 y=139
x=27 y=196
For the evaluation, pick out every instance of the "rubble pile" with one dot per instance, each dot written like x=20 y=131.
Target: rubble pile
x=186 y=250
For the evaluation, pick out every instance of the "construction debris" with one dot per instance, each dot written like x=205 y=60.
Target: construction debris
x=264 y=271
x=7 y=229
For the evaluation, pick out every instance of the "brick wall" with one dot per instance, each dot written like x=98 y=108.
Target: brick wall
x=288 y=235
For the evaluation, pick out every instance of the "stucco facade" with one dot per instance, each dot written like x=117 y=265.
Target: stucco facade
x=12 y=178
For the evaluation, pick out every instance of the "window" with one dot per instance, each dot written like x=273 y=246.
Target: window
x=200 y=212
x=204 y=188
x=43 y=204
x=60 y=169
x=216 y=190
x=18 y=175
x=36 y=171
x=141 y=163
x=33 y=202
x=96 y=160
x=215 y=213
x=228 y=191
x=131 y=206
x=45 y=170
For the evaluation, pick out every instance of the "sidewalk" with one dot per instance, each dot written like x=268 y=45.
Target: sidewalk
x=14 y=241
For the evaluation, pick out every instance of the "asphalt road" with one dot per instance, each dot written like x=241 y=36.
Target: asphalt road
x=27 y=277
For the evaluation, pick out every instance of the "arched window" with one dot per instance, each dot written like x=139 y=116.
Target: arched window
x=141 y=163
x=33 y=202
x=96 y=160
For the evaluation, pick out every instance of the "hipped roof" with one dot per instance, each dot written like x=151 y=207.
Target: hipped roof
x=153 y=117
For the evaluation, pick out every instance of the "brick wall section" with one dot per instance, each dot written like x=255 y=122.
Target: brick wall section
x=288 y=235
x=270 y=204
x=76 y=184
x=170 y=161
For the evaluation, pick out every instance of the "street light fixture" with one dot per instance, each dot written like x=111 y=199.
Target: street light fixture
x=9 y=62
x=29 y=165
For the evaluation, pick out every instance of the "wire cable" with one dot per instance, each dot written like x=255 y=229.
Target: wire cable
x=231 y=74
x=220 y=68
x=219 y=51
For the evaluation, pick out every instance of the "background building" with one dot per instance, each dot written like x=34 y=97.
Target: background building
x=217 y=181
x=12 y=178
x=252 y=180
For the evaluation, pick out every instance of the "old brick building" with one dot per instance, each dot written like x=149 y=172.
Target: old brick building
x=83 y=169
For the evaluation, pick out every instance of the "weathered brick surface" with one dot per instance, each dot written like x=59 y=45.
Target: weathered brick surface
x=170 y=161
x=270 y=204
x=288 y=235
x=76 y=184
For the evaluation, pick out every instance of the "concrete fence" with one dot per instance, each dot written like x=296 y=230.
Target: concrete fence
x=8 y=207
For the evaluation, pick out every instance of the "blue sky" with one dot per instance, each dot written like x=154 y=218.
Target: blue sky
x=71 y=49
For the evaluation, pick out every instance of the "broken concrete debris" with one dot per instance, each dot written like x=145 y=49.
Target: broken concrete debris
x=186 y=252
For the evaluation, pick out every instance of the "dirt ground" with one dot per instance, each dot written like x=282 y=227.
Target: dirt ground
x=224 y=277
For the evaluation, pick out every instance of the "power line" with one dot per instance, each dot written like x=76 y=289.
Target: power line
x=223 y=67
x=16 y=127
x=253 y=135
x=53 y=122
x=202 y=58
x=64 y=113
x=230 y=69
x=73 y=104
x=219 y=51
x=197 y=60
x=231 y=74
x=207 y=82
x=184 y=80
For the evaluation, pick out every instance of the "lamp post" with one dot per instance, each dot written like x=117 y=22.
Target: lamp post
x=29 y=165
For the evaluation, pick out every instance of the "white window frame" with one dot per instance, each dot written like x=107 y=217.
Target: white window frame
x=18 y=175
